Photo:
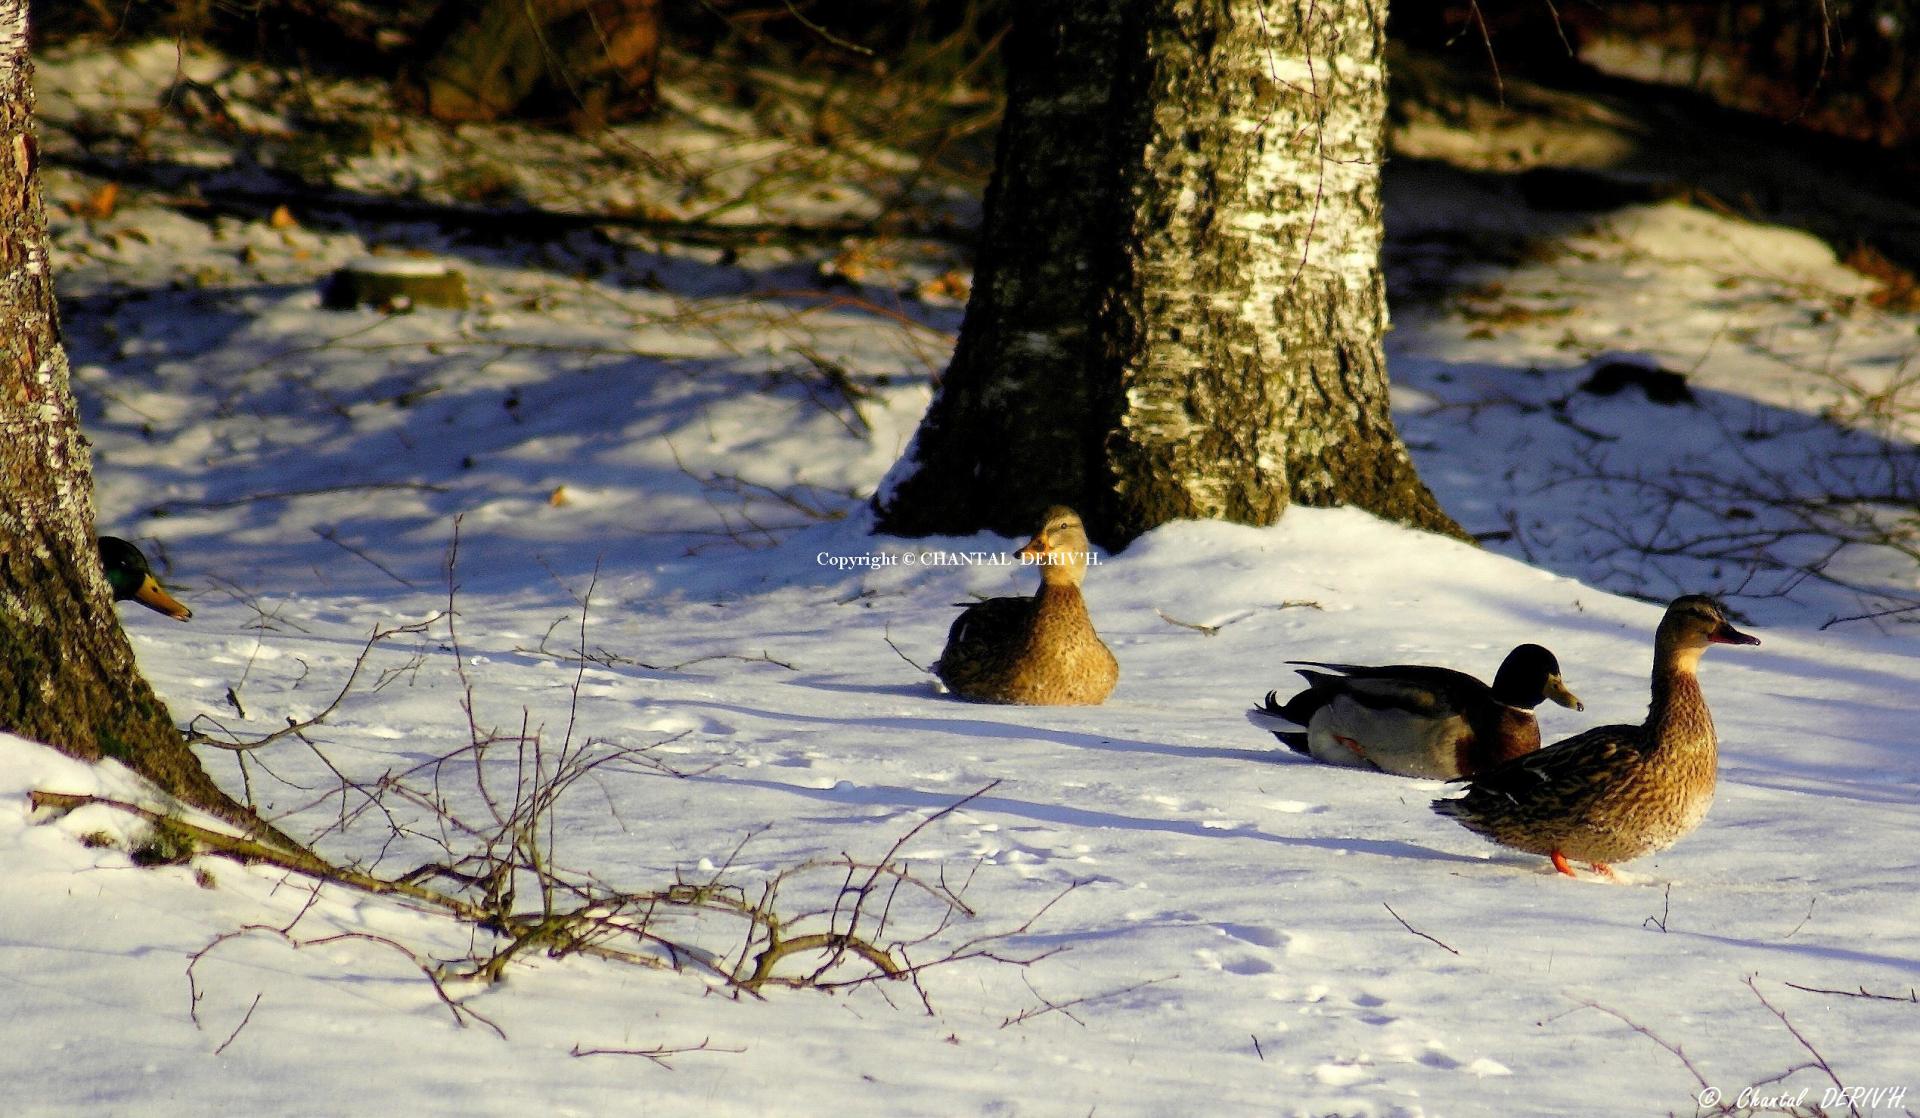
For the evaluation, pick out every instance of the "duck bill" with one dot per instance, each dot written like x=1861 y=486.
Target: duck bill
x=1557 y=691
x=1035 y=551
x=1727 y=634
x=151 y=596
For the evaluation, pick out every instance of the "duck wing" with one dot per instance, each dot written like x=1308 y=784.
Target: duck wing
x=984 y=628
x=1453 y=688
x=1423 y=693
x=1549 y=779
x=1410 y=692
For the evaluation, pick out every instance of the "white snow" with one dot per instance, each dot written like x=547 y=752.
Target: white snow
x=399 y=266
x=664 y=477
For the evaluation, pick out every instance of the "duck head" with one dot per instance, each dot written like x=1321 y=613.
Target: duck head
x=1530 y=675
x=1060 y=547
x=132 y=580
x=1691 y=624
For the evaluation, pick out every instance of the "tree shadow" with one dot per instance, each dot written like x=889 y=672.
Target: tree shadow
x=1568 y=142
x=1788 y=515
x=1087 y=819
x=377 y=430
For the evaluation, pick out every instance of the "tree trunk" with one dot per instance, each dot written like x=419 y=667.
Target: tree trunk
x=67 y=673
x=1178 y=306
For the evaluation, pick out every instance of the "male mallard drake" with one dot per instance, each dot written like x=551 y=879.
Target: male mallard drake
x=131 y=578
x=1038 y=651
x=1615 y=792
x=1413 y=720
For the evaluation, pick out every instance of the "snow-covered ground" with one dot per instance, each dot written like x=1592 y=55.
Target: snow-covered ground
x=659 y=456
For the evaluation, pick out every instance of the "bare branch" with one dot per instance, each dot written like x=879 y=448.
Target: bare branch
x=658 y=1055
x=1414 y=930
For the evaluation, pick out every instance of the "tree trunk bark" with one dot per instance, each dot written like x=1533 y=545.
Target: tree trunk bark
x=1178 y=307
x=67 y=673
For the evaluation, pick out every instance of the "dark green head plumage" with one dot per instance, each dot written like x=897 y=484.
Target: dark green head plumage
x=132 y=580
x=1529 y=676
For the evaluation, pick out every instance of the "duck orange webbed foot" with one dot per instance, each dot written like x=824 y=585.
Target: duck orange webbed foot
x=1601 y=868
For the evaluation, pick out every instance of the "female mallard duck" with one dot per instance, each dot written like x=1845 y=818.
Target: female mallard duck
x=1615 y=792
x=1412 y=720
x=1038 y=651
x=131 y=578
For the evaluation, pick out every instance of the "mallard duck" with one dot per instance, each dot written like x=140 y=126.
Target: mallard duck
x=1413 y=720
x=1038 y=651
x=131 y=578
x=1615 y=793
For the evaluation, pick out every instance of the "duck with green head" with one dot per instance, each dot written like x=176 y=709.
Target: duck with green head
x=131 y=578
x=1415 y=719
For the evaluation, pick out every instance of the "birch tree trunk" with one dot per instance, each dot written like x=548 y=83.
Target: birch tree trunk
x=1178 y=306
x=67 y=673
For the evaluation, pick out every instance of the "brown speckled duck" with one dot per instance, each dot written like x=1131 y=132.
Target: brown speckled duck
x=1038 y=651
x=1615 y=793
x=1415 y=720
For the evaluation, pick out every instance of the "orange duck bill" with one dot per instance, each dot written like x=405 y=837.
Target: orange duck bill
x=150 y=594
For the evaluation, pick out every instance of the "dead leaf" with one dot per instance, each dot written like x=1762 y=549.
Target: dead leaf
x=101 y=203
x=953 y=286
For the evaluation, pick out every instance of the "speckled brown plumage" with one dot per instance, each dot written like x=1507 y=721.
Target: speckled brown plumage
x=1615 y=793
x=1038 y=651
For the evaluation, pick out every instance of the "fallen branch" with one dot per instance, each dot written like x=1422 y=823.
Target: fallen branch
x=253 y=851
x=1912 y=994
x=657 y=1055
x=1209 y=630
x=296 y=727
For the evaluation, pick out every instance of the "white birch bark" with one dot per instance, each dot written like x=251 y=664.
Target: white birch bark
x=67 y=673
x=1179 y=306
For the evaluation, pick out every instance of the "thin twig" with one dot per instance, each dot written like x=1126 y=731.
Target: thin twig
x=1209 y=630
x=1912 y=995
x=329 y=535
x=1803 y=919
x=234 y=1035
x=1065 y=1008
x=888 y=637
x=1414 y=930
x=1666 y=906
x=1819 y=1061
x=1678 y=1053
x=658 y=1055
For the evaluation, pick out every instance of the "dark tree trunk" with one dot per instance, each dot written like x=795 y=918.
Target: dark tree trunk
x=67 y=674
x=1178 y=306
